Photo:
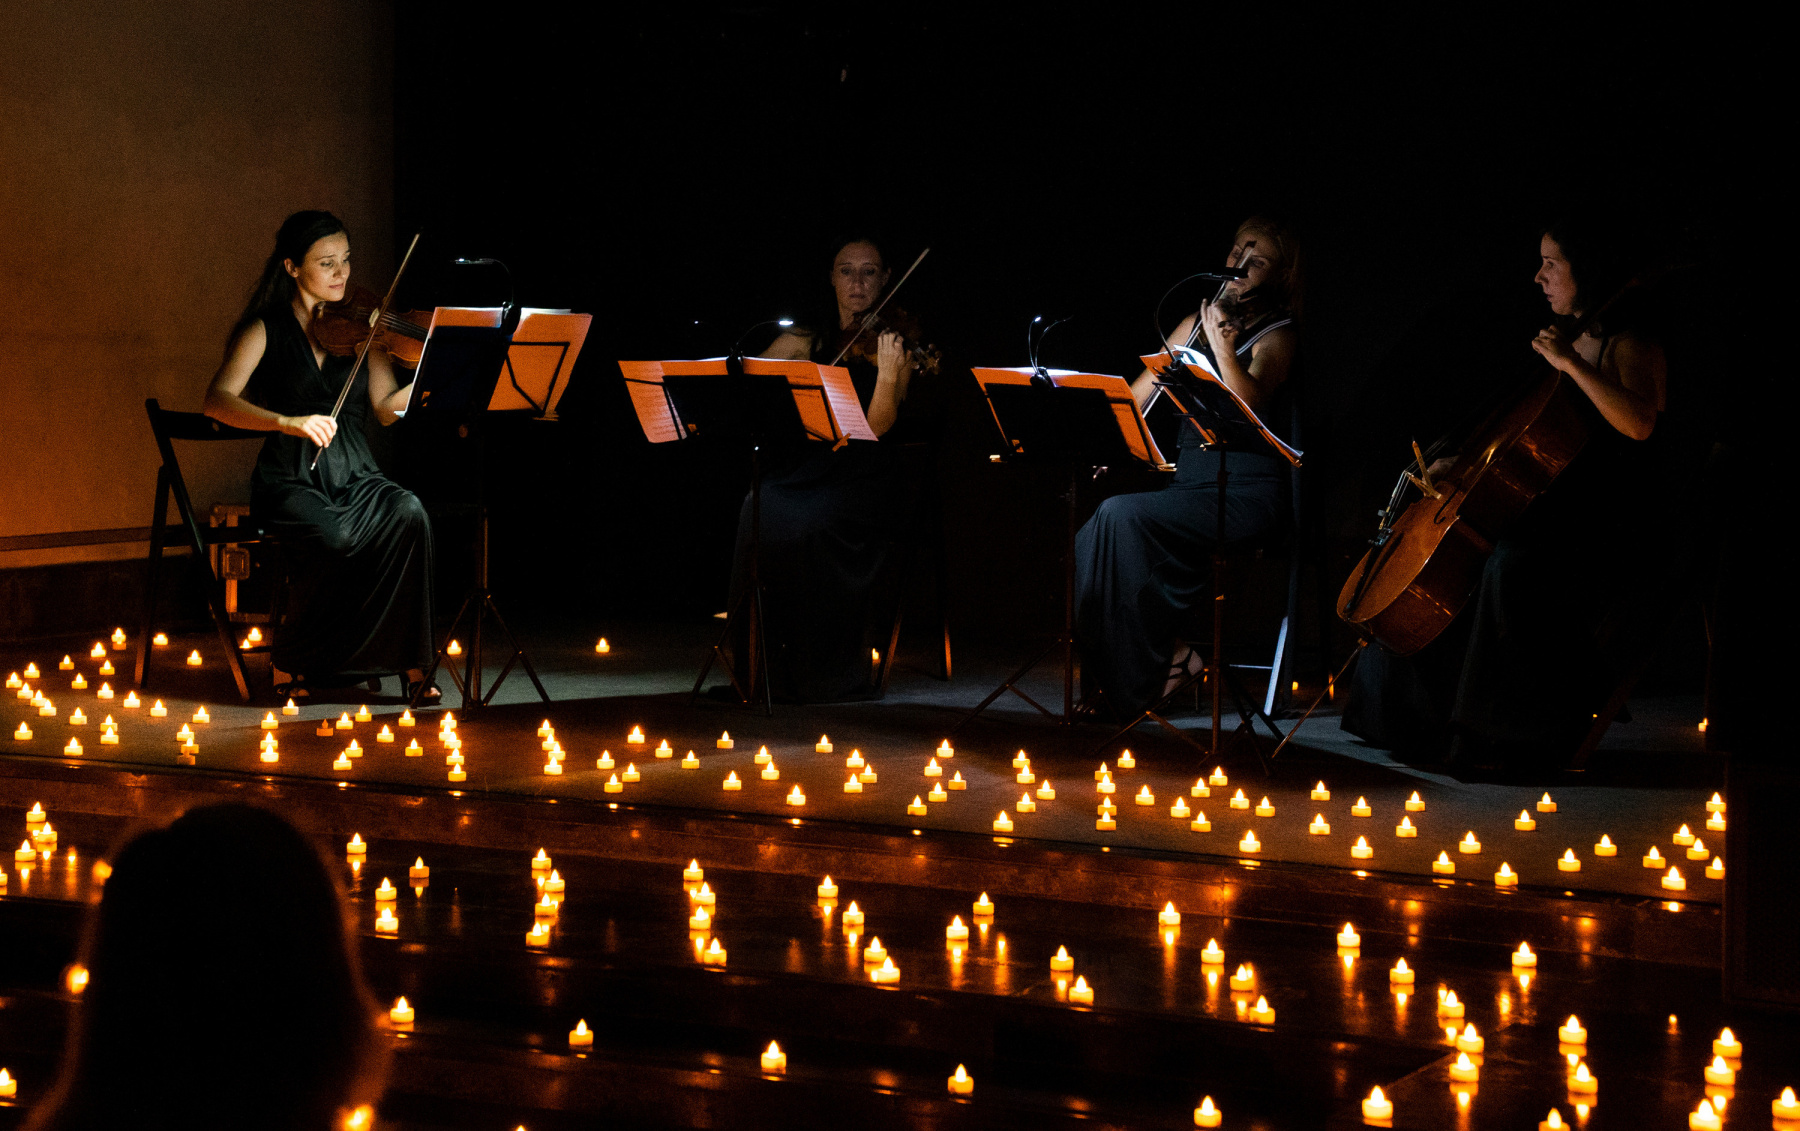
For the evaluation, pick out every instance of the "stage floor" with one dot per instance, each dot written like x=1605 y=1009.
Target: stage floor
x=1649 y=779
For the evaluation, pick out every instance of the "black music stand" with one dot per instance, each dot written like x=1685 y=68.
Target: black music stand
x=1076 y=430
x=1225 y=424
x=758 y=409
x=458 y=370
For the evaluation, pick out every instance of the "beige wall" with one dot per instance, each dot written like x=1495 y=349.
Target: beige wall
x=148 y=151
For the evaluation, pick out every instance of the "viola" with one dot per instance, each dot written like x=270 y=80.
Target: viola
x=341 y=327
x=865 y=339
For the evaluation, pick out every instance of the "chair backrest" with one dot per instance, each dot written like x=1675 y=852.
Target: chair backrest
x=169 y=426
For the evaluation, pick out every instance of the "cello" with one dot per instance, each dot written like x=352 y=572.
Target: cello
x=1426 y=560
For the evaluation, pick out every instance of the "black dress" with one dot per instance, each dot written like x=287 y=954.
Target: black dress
x=1143 y=562
x=827 y=522
x=358 y=544
x=1515 y=680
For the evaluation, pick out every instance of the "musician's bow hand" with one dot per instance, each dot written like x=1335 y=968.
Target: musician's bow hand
x=1221 y=333
x=1555 y=347
x=318 y=429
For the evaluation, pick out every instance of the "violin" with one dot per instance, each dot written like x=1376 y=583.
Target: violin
x=865 y=339
x=341 y=327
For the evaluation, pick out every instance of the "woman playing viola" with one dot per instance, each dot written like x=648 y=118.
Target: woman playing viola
x=359 y=545
x=1143 y=560
x=828 y=515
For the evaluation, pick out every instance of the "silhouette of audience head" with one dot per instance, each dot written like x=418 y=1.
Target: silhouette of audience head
x=223 y=987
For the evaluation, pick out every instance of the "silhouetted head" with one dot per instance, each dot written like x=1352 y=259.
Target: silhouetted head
x=223 y=990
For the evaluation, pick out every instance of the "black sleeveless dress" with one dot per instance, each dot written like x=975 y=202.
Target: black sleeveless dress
x=1515 y=680
x=1143 y=562
x=358 y=544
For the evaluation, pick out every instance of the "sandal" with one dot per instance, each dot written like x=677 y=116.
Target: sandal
x=431 y=694
x=1183 y=669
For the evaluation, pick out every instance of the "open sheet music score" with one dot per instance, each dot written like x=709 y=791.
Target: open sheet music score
x=829 y=407
x=543 y=351
x=1118 y=394
x=1200 y=368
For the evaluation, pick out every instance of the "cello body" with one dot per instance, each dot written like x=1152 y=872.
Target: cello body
x=1408 y=589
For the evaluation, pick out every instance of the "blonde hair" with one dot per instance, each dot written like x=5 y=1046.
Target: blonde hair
x=1284 y=286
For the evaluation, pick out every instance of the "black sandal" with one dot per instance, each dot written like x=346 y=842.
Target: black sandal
x=1183 y=671
x=432 y=694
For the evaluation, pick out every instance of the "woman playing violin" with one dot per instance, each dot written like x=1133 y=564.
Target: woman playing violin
x=1143 y=560
x=828 y=515
x=359 y=545
x=1515 y=682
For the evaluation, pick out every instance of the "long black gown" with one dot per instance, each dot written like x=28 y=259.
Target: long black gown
x=1515 y=680
x=357 y=543
x=1143 y=561
x=827 y=522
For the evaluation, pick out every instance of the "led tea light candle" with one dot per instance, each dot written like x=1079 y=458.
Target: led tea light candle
x=1179 y=810
x=1145 y=797
x=866 y=775
x=45 y=838
x=1106 y=808
x=1716 y=870
x=1100 y=774
x=1244 y=978
x=853 y=916
x=1653 y=858
x=544 y=908
x=1715 y=823
x=1463 y=1070
x=700 y=920
x=855 y=761
x=932 y=769
x=1320 y=793
x=1449 y=1006
x=1263 y=808
x=1582 y=1081
x=1348 y=939
x=1081 y=993
x=341 y=762
x=23 y=733
x=1698 y=851
x=823 y=746
x=454 y=648
x=1106 y=785
x=1786 y=1105
x=1025 y=804
x=1061 y=962
x=68 y=664
x=106 y=692
x=13 y=681
x=1727 y=1045
x=713 y=955
x=874 y=953
x=1377 y=1106
x=118 y=640
x=937 y=793
x=945 y=750
x=356 y=847
x=605 y=761
x=74 y=747
x=35 y=815
x=1673 y=881
x=1469 y=1041
x=957 y=931
x=962 y=1083
x=1524 y=822
x=1506 y=877
x=636 y=737
x=1361 y=850
x=418 y=873
x=1200 y=788
x=631 y=772
x=325 y=729
x=1003 y=823
x=76 y=719
x=1401 y=974
x=853 y=785
x=1200 y=824
x=1468 y=844
x=1239 y=801
x=1126 y=760
x=386 y=923
x=1571 y=1032
x=706 y=897
x=1523 y=958
x=79 y=683
x=1218 y=777
x=402 y=1014
x=1319 y=826
x=1704 y=1117
x=387 y=892
x=1405 y=828
x=1415 y=803
x=539 y=935
x=916 y=808
x=613 y=785
x=31 y=669
x=664 y=750
x=1683 y=836
x=47 y=709
x=1716 y=805
x=553 y=767
x=24 y=854
x=957 y=782
x=886 y=974
x=1168 y=916
x=193 y=660
x=1361 y=808
x=1261 y=1013
x=770 y=772
x=690 y=761
x=414 y=750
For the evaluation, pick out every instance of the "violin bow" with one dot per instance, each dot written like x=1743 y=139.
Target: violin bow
x=375 y=324
x=870 y=318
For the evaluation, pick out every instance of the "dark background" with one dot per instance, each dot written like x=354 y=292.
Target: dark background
x=681 y=173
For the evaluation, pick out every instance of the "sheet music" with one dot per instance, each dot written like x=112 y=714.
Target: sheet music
x=643 y=380
x=542 y=354
x=1197 y=364
x=826 y=398
x=1118 y=393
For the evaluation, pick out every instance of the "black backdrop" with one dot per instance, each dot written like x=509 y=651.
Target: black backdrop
x=680 y=171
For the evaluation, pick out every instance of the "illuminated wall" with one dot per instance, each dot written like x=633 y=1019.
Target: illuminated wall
x=147 y=154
